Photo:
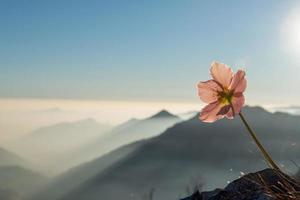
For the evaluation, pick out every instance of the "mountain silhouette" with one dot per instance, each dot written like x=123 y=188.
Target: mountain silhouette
x=24 y=181
x=74 y=177
x=216 y=151
x=16 y=179
x=50 y=148
x=163 y=114
x=8 y=158
x=7 y=194
x=130 y=131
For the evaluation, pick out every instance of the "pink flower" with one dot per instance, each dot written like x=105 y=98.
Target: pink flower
x=223 y=93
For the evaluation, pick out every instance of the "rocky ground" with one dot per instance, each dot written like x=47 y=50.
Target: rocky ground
x=267 y=184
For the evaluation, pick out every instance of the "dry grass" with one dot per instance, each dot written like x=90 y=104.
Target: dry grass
x=285 y=188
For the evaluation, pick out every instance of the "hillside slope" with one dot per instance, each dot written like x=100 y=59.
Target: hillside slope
x=217 y=152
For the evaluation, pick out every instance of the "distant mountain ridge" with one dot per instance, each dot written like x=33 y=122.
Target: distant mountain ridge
x=16 y=179
x=167 y=161
x=50 y=147
x=21 y=180
x=163 y=114
x=8 y=158
x=7 y=194
x=130 y=131
x=74 y=177
x=69 y=128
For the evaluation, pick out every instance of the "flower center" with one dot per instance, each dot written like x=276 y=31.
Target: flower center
x=225 y=96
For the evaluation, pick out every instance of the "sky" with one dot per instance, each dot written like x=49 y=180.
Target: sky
x=140 y=50
x=70 y=60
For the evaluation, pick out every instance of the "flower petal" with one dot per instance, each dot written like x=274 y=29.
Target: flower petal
x=238 y=83
x=208 y=91
x=237 y=102
x=224 y=110
x=221 y=73
x=210 y=112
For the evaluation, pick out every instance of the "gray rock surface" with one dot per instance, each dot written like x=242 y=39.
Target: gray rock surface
x=267 y=184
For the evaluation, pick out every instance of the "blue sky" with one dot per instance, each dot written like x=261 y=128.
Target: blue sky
x=143 y=50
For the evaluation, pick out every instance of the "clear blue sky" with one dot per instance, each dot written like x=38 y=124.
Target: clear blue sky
x=142 y=50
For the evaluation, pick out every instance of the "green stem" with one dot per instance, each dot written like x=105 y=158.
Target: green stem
x=268 y=158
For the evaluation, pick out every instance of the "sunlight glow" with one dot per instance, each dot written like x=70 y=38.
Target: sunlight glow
x=290 y=33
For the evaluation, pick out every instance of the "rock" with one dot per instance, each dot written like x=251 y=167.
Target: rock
x=267 y=184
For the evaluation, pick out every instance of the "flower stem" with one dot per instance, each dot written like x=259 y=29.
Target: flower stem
x=268 y=158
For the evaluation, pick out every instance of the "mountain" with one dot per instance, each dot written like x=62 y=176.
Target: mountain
x=7 y=194
x=51 y=147
x=74 y=177
x=163 y=114
x=217 y=152
x=125 y=133
x=16 y=180
x=68 y=135
x=24 y=181
x=8 y=158
x=295 y=110
x=130 y=131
